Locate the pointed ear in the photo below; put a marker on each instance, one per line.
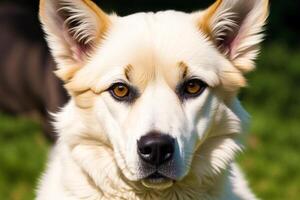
(235, 27)
(73, 29)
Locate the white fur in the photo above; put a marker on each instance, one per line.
(244, 47)
(96, 154)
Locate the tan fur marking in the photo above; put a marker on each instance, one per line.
(102, 16)
(85, 99)
(128, 70)
(74, 86)
(204, 24)
(183, 68)
(141, 76)
(67, 72)
(232, 80)
(266, 10)
(42, 9)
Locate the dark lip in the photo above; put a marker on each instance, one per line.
(157, 176)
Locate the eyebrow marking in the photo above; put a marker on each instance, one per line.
(128, 70)
(183, 68)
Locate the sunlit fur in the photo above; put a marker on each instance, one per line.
(96, 154)
(222, 19)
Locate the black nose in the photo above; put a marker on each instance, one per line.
(156, 148)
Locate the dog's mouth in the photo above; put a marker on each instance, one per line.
(157, 181)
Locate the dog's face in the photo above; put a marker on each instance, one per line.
(155, 90)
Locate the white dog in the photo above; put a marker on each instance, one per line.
(153, 111)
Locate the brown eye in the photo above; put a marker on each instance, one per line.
(123, 92)
(191, 88)
(120, 90)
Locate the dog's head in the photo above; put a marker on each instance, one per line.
(153, 92)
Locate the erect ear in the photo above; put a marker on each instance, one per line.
(73, 29)
(235, 27)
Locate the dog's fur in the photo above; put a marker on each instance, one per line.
(96, 155)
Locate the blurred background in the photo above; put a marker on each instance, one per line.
(28, 89)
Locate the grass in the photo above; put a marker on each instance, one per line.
(271, 161)
(23, 151)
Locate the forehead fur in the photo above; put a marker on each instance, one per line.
(154, 45)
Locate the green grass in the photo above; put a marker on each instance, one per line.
(23, 152)
(271, 161)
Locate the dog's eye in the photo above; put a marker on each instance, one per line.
(192, 88)
(123, 92)
(120, 90)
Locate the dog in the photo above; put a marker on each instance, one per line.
(153, 112)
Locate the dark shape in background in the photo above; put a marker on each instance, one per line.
(27, 83)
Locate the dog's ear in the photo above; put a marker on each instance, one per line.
(235, 27)
(73, 29)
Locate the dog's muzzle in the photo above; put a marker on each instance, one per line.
(156, 152)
